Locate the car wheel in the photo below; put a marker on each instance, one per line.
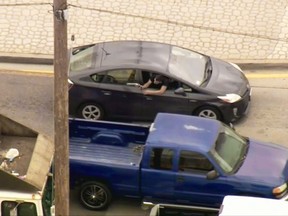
(208, 112)
(95, 196)
(91, 111)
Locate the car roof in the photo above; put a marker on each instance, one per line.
(190, 132)
(252, 206)
(136, 54)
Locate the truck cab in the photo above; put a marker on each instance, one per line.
(21, 203)
(199, 161)
(231, 206)
(181, 210)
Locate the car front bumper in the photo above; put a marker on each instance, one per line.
(235, 111)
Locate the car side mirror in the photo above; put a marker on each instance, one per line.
(180, 91)
(213, 174)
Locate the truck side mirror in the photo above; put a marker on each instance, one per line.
(52, 210)
(213, 174)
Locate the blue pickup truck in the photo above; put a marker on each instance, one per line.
(178, 159)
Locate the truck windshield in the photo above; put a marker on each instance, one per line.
(230, 149)
(9, 208)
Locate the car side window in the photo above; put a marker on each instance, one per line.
(146, 76)
(193, 162)
(161, 158)
(119, 76)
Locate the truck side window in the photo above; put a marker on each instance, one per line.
(161, 158)
(26, 208)
(192, 161)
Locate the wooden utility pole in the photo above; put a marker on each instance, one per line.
(61, 140)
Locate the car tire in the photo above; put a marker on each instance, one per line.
(208, 112)
(95, 196)
(91, 111)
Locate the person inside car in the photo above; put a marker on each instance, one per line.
(159, 81)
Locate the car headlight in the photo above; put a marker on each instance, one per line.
(280, 189)
(230, 98)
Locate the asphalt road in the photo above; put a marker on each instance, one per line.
(28, 98)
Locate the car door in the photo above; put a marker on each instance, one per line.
(171, 101)
(119, 99)
(191, 183)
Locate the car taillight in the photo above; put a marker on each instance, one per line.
(70, 84)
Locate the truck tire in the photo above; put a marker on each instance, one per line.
(95, 196)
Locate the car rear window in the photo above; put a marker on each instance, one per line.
(81, 59)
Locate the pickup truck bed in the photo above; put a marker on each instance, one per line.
(34, 160)
(82, 150)
(25, 146)
(106, 150)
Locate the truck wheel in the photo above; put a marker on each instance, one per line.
(208, 112)
(95, 196)
(91, 111)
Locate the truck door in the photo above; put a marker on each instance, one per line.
(192, 186)
(157, 174)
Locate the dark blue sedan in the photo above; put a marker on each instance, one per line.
(103, 80)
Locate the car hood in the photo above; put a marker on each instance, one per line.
(265, 162)
(226, 79)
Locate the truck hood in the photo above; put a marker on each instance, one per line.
(227, 79)
(265, 162)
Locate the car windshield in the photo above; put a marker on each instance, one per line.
(230, 150)
(81, 58)
(188, 65)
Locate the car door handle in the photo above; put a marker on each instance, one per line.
(106, 93)
(192, 101)
(149, 98)
(180, 179)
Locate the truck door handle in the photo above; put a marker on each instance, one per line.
(180, 178)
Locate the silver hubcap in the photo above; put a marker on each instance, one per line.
(208, 114)
(91, 112)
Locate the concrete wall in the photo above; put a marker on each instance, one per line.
(228, 29)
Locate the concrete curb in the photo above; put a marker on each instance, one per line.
(26, 60)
